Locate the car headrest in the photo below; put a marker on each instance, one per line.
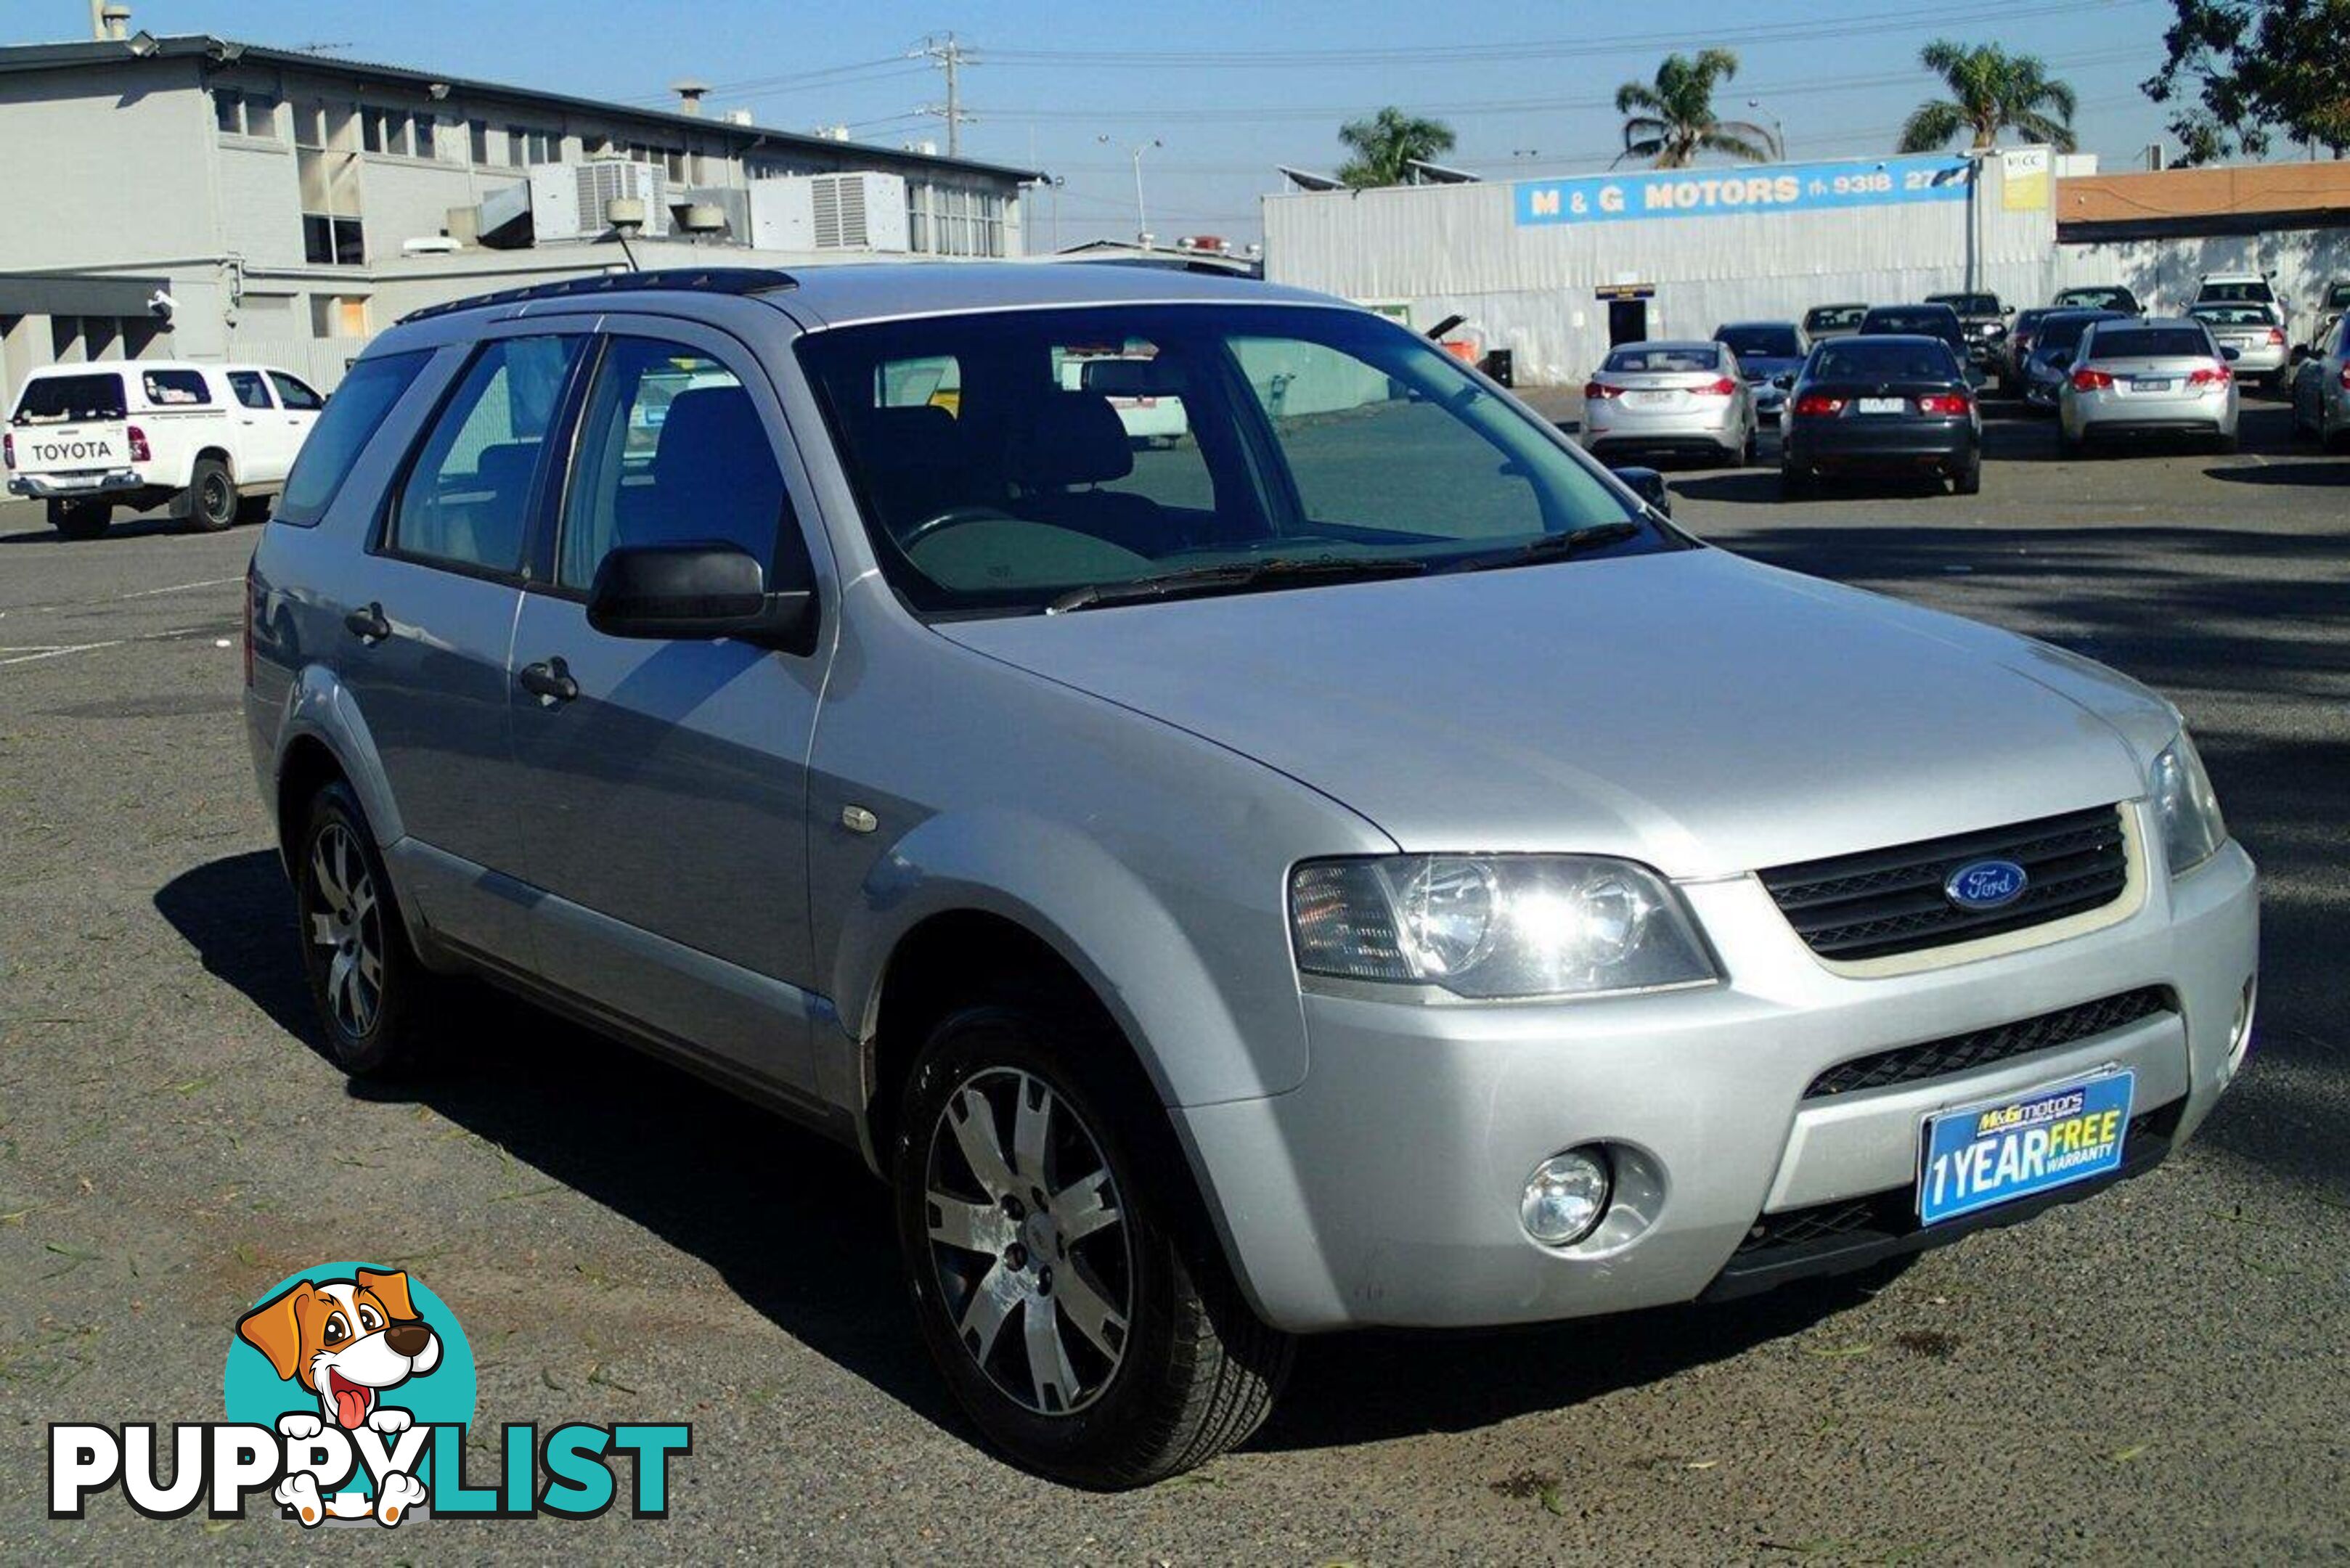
(917, 434)
(1070, 438)
(714, 463)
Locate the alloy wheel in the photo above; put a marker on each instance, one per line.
(1035, 1232)
(347, 921)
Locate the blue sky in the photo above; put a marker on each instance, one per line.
(1229, 89)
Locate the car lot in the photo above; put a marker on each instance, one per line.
(2157, 1375)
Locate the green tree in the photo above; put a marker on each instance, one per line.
(1385, 146)
(2242, 72)
(1990, 91)
(1670, 120)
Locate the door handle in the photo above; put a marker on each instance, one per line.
(550, 681)
(368, 625)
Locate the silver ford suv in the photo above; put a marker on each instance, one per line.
(1247, 830)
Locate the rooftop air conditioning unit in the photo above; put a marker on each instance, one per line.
(856, 212)
(567, 200)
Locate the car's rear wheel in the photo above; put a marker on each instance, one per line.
(1795, 483)
(211, 496)
(1747, 453)
(2068, 445)
(1080, 1316)
(79, 519)
(1968, 480)
(375, 1000)
(2227, 443)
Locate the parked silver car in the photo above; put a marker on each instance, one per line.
(2148, 379)
(2321, 388)
(2256, 333)
(1356, 864)
(1690, 398)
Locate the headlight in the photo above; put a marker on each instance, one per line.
(2192, 830)
(1493, 925)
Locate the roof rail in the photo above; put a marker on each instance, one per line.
(697, 279)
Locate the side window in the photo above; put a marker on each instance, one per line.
(249, 389)
(931, 381)
(670, 451)
(343, 432)
(296, 395)
(466, 499)
(174, 388)
(1327, 408)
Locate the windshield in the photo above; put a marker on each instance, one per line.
(1883, 359)
(2231, 315)
(2338, 297)
(2101, 298)
(1764, 342)
(1664, 358)
(2253, 293)
(52, 399)
(1095, 447)
(1831, 316)
(1968, 304)
(1935, 323)
(2150, 343)
(2064, 331)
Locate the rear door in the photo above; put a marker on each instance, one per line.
(429, 625)
(664, 802)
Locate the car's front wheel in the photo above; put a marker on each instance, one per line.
(1081, 1318)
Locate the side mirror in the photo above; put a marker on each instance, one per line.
(698, 592)
(2060, 360)
(2232, 355)
(1649, 485)
(1784, 382)
(2300, 352)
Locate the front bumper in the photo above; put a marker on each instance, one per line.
(75, 486)
(1385, 1190)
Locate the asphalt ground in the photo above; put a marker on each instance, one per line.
(2157, 1375)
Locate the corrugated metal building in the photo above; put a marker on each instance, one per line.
(1529, 261)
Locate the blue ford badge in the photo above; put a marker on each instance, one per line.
(1985, 885)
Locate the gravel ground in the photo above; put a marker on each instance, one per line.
(2157, 1375)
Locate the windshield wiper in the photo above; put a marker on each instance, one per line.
(1234, 574)
(1555, 547)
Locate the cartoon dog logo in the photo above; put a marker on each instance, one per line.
(347, 1342)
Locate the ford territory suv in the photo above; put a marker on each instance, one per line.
(1340, 859)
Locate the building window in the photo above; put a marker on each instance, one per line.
(240, 113)
(424, 128)
(338, 316)
(477, 137)
(330, 179)
(525, 147)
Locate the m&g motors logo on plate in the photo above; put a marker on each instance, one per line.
(348, 1392)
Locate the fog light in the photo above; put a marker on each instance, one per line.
(1566, 1197)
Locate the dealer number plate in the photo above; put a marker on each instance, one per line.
(2150, 384)
(1991, 1153)
(1650, 400)
(1883, 405)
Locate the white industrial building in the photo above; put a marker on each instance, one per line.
(199, 198)
(1554, 271)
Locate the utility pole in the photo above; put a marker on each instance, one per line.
(950, 57)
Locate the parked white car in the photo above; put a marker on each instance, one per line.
(143, 433)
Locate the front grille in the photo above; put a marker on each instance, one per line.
(1887, 901)
(1964, 1052)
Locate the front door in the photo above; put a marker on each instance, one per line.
(663, 789)
(265, 446)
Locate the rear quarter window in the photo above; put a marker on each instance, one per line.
(174, 388)
(56, 400)
(348, 422)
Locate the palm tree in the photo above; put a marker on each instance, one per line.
(1990, 91)
(1386, 144)
(1672, 120)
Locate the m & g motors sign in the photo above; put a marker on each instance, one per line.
(1714, 193)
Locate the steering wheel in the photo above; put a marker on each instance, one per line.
(952, 517)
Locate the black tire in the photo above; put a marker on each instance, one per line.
(1968, 481)
(1747, 455)
(80, 519)
(386, 1035)
(2068, 448)
(2227, 444)
(1795, 483)
(213, 499)
(1191, 1370)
